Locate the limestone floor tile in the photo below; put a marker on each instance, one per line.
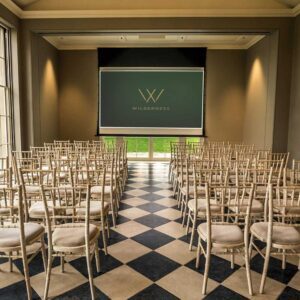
(133, 213)
(165, 193)
(185, 284)
(238, 283)
(137, 185)
(135, 201)
(238, 258)
(169, 213)
(295, 282)
(136, 192)
(131, 228)
(8, 278)
(172, 229)
(168, 202)
(59, 282)
(122, 283)
(177, 251)
(139, 179)
(163, 185)
(127, 250)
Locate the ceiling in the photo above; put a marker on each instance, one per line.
(153, 8)
(211, 41)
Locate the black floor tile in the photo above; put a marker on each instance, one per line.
(289, 294)
(219, 268)
(153, 239)
(221, 292)
(152, 220)
(107, 263)
(153, 265)
(17, 291)
(153, 292)
(274, 271)
(82, 292)
(151, 206)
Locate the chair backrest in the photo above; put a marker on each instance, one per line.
(231, 205)
(11, 202)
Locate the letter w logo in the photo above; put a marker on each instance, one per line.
(150, 95)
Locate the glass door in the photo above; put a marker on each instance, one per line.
(138, 147)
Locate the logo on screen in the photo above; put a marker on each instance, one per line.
(153, 95)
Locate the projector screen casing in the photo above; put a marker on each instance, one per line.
(145, 100)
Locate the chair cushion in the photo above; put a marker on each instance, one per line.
(283, 235)
(202, 205)
(97, 189)
(69, 237)
(32, 189)
(257, 207)
(10, 237)
(37, 209)
(222, 234)
(95, 209)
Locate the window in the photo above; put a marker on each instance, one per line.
(6, 136)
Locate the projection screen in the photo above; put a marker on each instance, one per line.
(151, 101)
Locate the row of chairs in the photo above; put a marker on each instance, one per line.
(224, 190)
(68, 200)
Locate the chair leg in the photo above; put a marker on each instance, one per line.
(248, 272)
(198, 253)
(43, 250)
(104, 236)
(48, 275)
(26, 273)
(232, 260)
(188, 222)
(250, 246)
(62, 264)
(90, 272)
(193, 231)
(10, 261)
(97, 256)
(207, 263)
(283, 266)
(265, 269)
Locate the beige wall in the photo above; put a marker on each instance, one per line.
(261, 68)
(294, 129)
(78, 98)
(225, 87)
(48, 91)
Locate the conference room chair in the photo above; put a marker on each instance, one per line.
(280, 231)
(226, 230)
(16, 235)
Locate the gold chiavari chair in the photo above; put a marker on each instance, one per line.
(280, 231)
(70, 234)
(226, 230)
(16, 235)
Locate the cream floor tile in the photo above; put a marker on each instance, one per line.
(186, 284)
(173, 229)
(177, 251)
(139, 179)
(122, 283)
(127, 250)
(135, 201)
(59, 282)
(295, 282)
(165, 193)
(169, 213)
(163, 185)
(169, 202)
(136, 193)
(137, 185)
(131, 228)
(133, 213)
(7, 278)
(238, 283)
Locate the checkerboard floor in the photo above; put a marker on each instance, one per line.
(149, 257)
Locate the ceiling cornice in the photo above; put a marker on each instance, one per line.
(149, 13)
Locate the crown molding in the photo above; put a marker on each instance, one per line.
(296, 10)
(14, 8)
(149, 13)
